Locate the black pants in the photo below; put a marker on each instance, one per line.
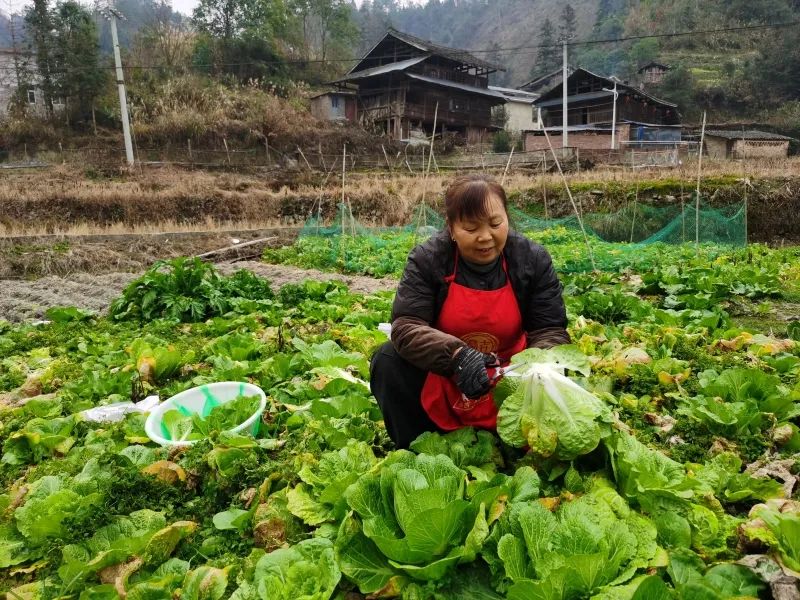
(397, 385)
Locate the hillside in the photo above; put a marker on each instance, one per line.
(746, 75)
(481, 26)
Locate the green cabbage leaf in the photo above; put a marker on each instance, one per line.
(547, 411)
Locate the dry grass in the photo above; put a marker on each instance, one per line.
(155, 228)
(67, 200)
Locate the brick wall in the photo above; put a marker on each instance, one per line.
(584, 140)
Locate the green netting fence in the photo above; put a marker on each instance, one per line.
(641, 224)
(619, 239)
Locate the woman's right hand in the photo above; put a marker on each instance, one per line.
(470, 371)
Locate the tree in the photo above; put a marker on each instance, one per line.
(222, 19)
(79, 78)
(168, 40)
(240, 36)
(547, 58)
(39, 23)
(775, 70)
(569, 22)
(325, 23)
(643, 52)
(495, 56)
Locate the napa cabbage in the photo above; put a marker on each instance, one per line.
(543, 409)
(320, 496)
(410, 518)
(587, 544)
(305, 571)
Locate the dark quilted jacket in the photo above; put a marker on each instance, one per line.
(422, 292)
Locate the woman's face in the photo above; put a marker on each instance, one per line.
(482, 239)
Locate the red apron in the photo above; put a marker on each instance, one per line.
(489, 321)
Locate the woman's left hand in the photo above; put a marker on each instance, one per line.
(470, 371)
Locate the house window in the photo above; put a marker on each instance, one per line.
(334, 101)
(458, 104)
(58, 101)
(31, 96)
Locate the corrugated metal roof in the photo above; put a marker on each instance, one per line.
(401, 65)
(451, 53)
(515, 95)
(459, 86)
(752, 134)
(621, 88)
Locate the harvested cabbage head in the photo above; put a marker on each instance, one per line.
(547, 411)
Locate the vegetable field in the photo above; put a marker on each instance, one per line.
(656, 457)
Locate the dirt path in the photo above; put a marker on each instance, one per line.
(23, 300)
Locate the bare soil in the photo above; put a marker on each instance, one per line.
(27, 300)
(28, 257)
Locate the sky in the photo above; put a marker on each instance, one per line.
(182, 6)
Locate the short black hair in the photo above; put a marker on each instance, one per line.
(468, 197)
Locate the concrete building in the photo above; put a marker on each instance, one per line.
(339, 105)
(13, 62)
(522, 115)
(745, 144)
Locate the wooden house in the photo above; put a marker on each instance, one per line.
(545, 83)
(653, 73)
(404, 84)
(642, 120)
(745, 144)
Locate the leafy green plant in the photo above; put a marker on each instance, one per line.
(320, 496)
(777, 524)
(587, 544)
(305, 571)
(410, 518)
(547, 411)
(180, 424)
(186, 289)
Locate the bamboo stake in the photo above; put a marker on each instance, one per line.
(227, 153)
(236, 246)
(322, 158)
(683, 216)
(746, 181)
(508, 164)
(304, 158)
(572, 200)
(344, 166)
(386, 156)
(428, 170)
(697, 198)
(544, 187)
(266, 147)
(633, 218)
(433, 135)
(189, 146)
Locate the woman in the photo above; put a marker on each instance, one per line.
(470, 297)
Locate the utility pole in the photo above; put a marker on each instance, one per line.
(613, 115)
(564, 75)
(112, 14)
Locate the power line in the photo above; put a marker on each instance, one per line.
(646, 36)
(515, 49)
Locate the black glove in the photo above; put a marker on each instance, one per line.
(470, 372)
